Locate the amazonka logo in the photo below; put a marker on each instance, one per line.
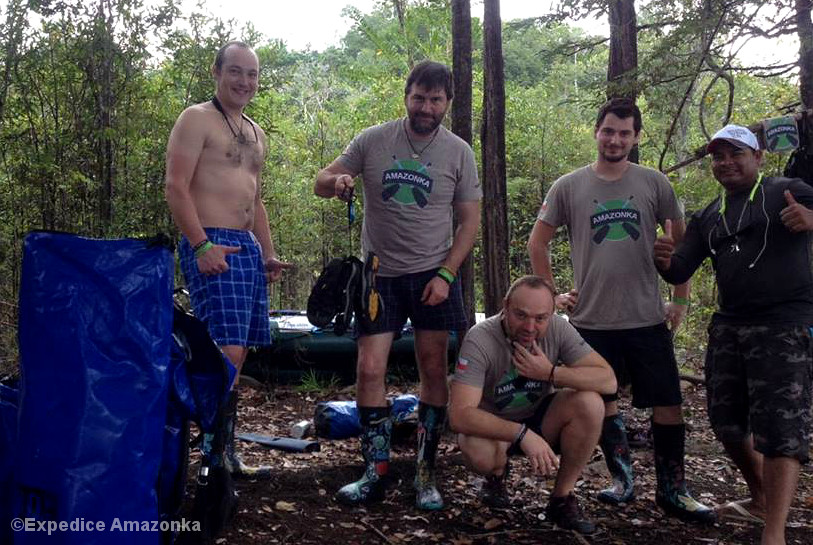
(615, 220)
(407, 182)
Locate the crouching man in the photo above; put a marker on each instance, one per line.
(510, 396)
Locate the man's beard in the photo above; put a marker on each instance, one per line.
(614, 158)
(424, 129)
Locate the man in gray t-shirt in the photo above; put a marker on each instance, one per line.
(415, 175)
(611, 210)
(504, 400)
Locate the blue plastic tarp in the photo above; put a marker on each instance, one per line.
(95, 329)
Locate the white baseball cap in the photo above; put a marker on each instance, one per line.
(735, 135)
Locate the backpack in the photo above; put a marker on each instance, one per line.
(336, 294)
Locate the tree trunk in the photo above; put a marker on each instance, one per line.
(461, 122)
(622, 67)
(495, 208)
(804, 29)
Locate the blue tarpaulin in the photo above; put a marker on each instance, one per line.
(95, 328)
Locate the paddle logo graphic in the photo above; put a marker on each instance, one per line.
(514, 391)
(615, 220)
(407, 182)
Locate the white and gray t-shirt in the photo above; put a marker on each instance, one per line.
(612, 229)
(408, 202)
(485, 361)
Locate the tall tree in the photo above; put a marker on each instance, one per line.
(804, 29)
(461, 118)
(492, 136)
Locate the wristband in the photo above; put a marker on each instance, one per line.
(519, 437)
(446, 274)
(203, 247)
(550, 377)
(680, 301)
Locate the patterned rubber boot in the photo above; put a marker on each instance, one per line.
(376, 430)
(233, 463)
(616, 451)
(431, 421)
(672, 496)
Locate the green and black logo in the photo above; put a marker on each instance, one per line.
(407, 182)
(615, 220)
(515, 391)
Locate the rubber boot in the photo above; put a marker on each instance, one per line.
(431, 421)
(672, 496)
(616, 451)
(232, 461)
(376, 431)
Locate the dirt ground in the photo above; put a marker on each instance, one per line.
(297, 505)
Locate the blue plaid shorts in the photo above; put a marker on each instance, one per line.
(233, 304)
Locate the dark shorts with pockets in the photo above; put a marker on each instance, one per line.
(646, 356)
(534, 423)
(402, 299)
(759, 382)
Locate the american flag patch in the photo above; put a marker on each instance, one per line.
(462, 364)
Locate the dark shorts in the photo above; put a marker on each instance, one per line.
(759, 382)
(402, 299)
(233, 304)
(534, 423)
(643, 357)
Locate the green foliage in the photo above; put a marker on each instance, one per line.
(88, 97)
(315, 383)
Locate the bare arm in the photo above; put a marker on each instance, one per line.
(467, 418)
(468, 219)
(677, 308)
(539, 249)
(335, 180)
(183, 152)
(539, 252)
(590, 372)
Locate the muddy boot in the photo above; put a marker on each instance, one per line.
(565, 513)
(494, 493)
(616, 451)
(672, 496)
(431, 421)
(376, 430)
(232, 461)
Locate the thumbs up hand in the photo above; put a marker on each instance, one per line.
(796, 216)
(664, 247)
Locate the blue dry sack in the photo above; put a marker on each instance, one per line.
(95, 328)
(340, 419)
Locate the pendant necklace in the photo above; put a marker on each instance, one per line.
(415, 153)
(736, 247)
(240, 137)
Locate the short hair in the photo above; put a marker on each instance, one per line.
(431, 75)
(530, 281)
(221, 53)
(622, 108)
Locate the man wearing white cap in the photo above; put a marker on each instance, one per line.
(759, 360)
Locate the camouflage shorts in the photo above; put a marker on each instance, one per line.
(759, 382)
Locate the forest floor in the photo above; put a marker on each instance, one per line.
(297, 507)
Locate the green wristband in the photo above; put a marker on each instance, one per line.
(203, 247)
(680, 301)
(446, 274)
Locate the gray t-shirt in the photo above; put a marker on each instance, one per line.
(485, 362)
(612, 229)
(408, 202)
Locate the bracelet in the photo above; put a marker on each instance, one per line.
(203, 247)
(681, 301)
(446, 274)
(519, 437)
(550, 377)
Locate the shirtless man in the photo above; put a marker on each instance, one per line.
(213, 187)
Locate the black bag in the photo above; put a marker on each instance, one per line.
(336, 294)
